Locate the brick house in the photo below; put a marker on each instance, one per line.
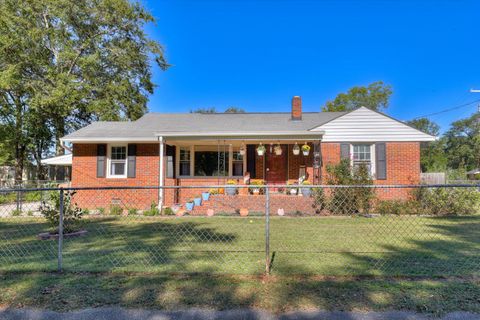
(209, 149)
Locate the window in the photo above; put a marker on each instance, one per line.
(210, 162)
(118, 161)
(184, 161)
(362, 155)
(237, 164)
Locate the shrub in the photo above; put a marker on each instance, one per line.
(319, 199)
(16, 212)
(168, 211)
(153, 211)
(101, 210)
(33, 196)
(72, 214)
(254, 183)
(8, 197)
(116, 210)
(397, 207)
(132, 212)
(447, 201)
(351, 199)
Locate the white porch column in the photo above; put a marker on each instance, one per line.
(161, 173)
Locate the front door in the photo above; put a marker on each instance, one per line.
(276, 165)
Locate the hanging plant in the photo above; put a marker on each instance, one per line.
(278, 150)
(242, 149)
(261, 150)
(296, 149)
(306, 149)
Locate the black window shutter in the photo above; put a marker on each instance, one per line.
(251, 152)
(101, 160)
(381, 160)
(132, 161)
(344, 151)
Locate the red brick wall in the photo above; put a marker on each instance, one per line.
(403, 167)
(84, 174)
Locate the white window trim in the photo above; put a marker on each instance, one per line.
(109, 161)
(372, 157)
(192, 163)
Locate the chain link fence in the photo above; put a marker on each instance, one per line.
(290, 229)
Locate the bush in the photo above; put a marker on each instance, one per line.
(8, 197)
(351, 199)
(72, 214)
(132, 212)
(33, 196)
(168, 211)
(101, 210)
(116, 210)
(397, 207)
(153, 211)
(447, 201)
(319, 199)
(16, 212)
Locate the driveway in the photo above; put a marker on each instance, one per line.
(197, 314)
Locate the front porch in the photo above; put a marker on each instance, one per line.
(240, 161)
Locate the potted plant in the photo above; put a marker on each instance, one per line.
(306, 191)
(292, 190)
(278, 150)
(190, 205)
(197, 200)
(243, 212)
(255, 186)
(296, 149)
(306, 149)
(261, 150)
(231, 190)
(205, 195)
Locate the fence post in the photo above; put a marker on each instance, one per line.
(267, 230)
(60, 232)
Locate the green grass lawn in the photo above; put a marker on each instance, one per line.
(387, 245)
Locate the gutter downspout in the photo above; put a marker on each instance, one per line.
(62, 144)
(161, 180)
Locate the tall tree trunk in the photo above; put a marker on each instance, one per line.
(19, 143)
(59, 133)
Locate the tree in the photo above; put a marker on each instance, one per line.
(234, 110)
(375, 96)
(462, 143)
(204, 110)
(432, 154)
(70, 62)
(425, 125)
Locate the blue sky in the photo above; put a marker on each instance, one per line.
(256, 55)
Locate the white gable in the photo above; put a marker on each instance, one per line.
(365, 125)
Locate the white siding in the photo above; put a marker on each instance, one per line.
(364, 125)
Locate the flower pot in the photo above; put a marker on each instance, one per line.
(231, 191)
(296, 152)
(256, 191)
(281, 212)
(260, 152)
(243, 212)
(205, 196)
(189, 206)
(293, 191)
(278, 150)
(306, 152)
(210, 212)
(307, 192)
(197, 201)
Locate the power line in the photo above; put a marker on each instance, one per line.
(449, 109)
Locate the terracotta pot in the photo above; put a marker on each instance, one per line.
(210, 212)
(243, 212)
(180, 212)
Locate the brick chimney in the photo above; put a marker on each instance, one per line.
(296, 108)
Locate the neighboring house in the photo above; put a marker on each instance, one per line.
(162, 149)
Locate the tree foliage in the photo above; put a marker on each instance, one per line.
(462, 143)
(375, 96)
(432, 154)
(64, 63)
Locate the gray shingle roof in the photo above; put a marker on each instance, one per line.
(195, 123)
